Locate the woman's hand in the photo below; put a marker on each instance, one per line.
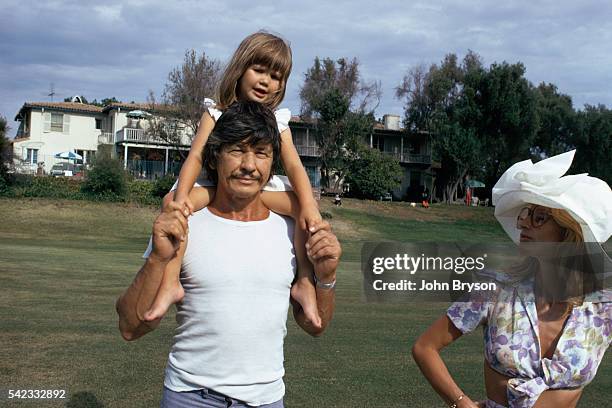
(466, 402)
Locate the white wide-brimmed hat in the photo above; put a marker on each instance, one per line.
(587, 199)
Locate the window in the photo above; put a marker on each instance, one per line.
(99, 124)
(378, 142)
(32, 156)
(57, 122)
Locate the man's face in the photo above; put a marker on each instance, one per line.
(243, 169)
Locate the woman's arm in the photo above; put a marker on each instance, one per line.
(299, 180)
(426, 353)
(193, 164)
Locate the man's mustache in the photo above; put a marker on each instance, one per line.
(243, 175)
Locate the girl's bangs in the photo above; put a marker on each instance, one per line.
(275, 58)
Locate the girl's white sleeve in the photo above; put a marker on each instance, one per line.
(278, 183)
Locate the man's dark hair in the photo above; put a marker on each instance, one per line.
(249, 123)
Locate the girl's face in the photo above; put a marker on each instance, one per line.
(259, 83)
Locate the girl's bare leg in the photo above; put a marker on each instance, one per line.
(170, 290)
(303, 288)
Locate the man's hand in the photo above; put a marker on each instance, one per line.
(169, 229)
(324, 251)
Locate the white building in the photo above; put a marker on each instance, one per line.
(49, 128)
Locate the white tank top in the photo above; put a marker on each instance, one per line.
(232, 321)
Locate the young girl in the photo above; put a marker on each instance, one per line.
(258, 71)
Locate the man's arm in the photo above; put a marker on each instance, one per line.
(169, 242)
(324, 251)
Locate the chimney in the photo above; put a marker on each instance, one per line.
(392, 122)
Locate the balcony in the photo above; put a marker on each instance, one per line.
(410, 158)
(106, 138)
(137, 136)
(310, 151)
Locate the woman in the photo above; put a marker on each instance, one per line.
(546, 332)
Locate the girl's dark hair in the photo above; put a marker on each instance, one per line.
(249, 123)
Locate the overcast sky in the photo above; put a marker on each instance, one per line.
(125, 48)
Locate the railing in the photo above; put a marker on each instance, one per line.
(136, 135)
(410, 158)
(417, 158)
(152, 169)
(311, 151)
(106, 138)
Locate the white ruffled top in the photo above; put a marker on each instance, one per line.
(282, 115)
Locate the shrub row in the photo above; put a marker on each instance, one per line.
(133, 191)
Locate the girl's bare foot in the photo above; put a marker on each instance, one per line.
(165, 297)
(303, 291)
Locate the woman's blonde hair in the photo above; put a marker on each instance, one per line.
(574, 266)
(573, 230)
(258, 48)
(576, 270)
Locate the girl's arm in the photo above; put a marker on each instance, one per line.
(193, 164)
(309, 212)
(426, 353)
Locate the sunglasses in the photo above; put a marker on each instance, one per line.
(538, 216)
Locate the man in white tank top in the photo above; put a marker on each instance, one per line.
(237, 264)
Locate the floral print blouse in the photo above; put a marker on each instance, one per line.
(512, 345)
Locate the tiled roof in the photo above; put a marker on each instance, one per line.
(80, 107)
(131, 106)
(64, 106)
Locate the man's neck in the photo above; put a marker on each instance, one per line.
(237, 208)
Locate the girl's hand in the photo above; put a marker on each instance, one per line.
(184, 203)
(309, 217)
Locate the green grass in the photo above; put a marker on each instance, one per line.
(63, 264)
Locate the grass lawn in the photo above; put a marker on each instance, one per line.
(63, 264)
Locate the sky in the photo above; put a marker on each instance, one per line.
(124, 49)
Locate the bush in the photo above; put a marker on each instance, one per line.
(106, 180)
(373, 174)
(53, 187)
(5, 182)
(163, 185)
(141, 191)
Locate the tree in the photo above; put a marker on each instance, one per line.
(105, 101)
(443, 102)
(4, 178)
(593, 142)
(183, 98)
(343, 77)
(372, 174)
(331, 88)
(556, 122)
(480, 120)
(509, 120)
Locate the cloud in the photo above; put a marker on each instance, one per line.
(124, 48)
(109, 14)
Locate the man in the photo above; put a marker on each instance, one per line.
(236, 272)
